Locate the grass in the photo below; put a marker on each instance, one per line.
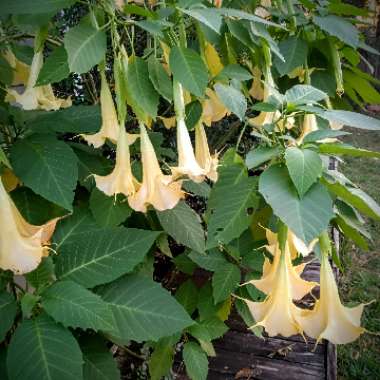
(360, 280)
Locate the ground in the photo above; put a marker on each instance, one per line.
(360, 280)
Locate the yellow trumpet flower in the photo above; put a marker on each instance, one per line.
(202, 154)
(309, 125)
(40, 97)
(330, 319)
(110, 126)
(278, 314)
(187, 164)
(213, 109)
(21, 244)
(121, 180)
(156, 189)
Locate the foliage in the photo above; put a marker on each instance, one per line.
(110, 223)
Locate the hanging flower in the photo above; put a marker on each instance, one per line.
(22, 245)
(202, 154)
(121, 180)
(296, 245)
(309, 125)
(187, 164)
(278, 314)
(40, 97)
(256, 90)
(110, 126)
(213, 109)
(156, 189)
(330, 319)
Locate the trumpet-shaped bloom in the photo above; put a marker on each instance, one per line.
(213, 109)
(330, 319)
(278, 314)
(21, 243)
(156, 189)
(110, 126)
(202, 154)
(296, 245)
(298, 287)
(40, 97)
(121, 179)
(309, 125)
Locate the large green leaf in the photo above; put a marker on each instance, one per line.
(230, 206)
(304, 94)
(306, 217)
(195, 361)
(187, 296)
(338, 27)
(73, 228)
(160, 79)
(100, 257)
(43, 274)
(232, 98)
(208, 329)
(211, 260)
(235, 71)
(48, 351)
(206, 16)
(184, 225)
(142, 96)
(352, 119)
(356, 198)
(85, 46)
(304, 166)
(108, 211)
(189, 69)
(258, 156)
(294, 51)
(347, 149)
(143, 310)
(161, 360)
(98, 361)
(8, 310)
(74, 306)
(48, 166)
(55, 67)
(321, 134)
(224, 281)
(33, 7)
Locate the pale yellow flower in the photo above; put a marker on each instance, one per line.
(121, 180)
(21, 244)
(330, 319)
(261, 9)
(208, 162)
(40, 97)
(257, 89)
(213, 109)
(156, 189)
(296, 245)
(309, 125)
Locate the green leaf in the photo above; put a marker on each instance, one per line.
(142, 96)
(347, 149)
(230, 204)
(74, 306)
(100, 257)
(304, 94)
(324, 81)
(264, 107)
(75, 119)
(323, 134)
(206, 16)
(189, 69)
(193, 114)
(98, 361)
(195, 361)
(258, 156)
(232, 98)
(161, 360)
(160, 79)
(73, 228)
(351, 232)
(8, 311)
(294, 51)
(48, 351)
(43, 274)
(208, 329)
(352, 119)
(211, 260)
(36, 6)
(304, 166)
(184, 225)
(55, 67)
(347, 9)
(4, 159)
(202, 189)
(187, 296)
(340, 28)
(85, 46)
(48, 166)
(224, 281)
(6, 72)
(356, 198)
(306, 217)
(28, 302)
(109, 211)
(184, 264)
(235, 72)
(143, 310)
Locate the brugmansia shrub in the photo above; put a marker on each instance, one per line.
(185, 175)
